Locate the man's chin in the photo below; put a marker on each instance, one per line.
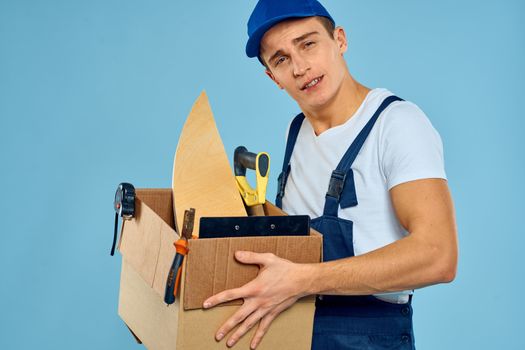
(314, 105)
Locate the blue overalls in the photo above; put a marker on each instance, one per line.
(349, 322)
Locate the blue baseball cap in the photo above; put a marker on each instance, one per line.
(268, 13)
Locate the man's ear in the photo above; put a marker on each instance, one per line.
(270, 74)
(340, 38)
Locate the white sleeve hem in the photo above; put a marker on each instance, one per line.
(415, 176)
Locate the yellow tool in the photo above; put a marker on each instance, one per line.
(260, 162)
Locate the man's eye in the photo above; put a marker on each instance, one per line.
(280, 60)
(309, 43)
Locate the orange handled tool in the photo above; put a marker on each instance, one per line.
(181, 247)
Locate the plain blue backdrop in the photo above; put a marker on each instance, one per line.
(93, 93)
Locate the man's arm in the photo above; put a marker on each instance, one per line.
(428, 255)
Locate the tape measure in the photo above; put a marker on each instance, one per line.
(124, 205)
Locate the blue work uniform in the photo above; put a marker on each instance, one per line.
(349, 322)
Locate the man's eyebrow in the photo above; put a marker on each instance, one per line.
(295, 41)
(304, 36)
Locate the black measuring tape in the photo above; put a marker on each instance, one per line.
(124, 205)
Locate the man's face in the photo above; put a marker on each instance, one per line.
(305, 60)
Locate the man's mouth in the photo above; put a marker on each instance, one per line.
(312, 83)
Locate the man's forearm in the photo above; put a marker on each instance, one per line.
(405, 264)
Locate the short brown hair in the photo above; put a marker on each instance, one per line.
(327, 24)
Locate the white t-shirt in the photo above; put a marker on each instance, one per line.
(402, 146)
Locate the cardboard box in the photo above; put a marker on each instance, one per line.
(210, 267)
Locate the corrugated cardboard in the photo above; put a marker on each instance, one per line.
(147, 248)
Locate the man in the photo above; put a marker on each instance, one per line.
(386, 215)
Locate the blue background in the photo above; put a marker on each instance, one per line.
(93, 93)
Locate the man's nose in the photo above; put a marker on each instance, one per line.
(300, 66)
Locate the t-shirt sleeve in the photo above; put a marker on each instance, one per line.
(410, 148)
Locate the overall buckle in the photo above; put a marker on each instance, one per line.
(281, 183)
(336, 185)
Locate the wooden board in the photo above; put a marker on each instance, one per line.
(202, 176)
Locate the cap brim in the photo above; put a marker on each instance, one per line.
(254, 42)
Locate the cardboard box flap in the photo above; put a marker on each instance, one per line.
(211, 266)
(147, 241)
(160, 200)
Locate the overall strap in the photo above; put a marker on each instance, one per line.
(341, 189)
(290, 143)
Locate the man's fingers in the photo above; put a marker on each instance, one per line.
(253, 258)
(239, 316)
(225, 296)
(265, 322)
(248, 324)
(244, 291)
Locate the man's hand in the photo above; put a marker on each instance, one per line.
(277, 287)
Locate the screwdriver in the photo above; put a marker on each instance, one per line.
(181, 247)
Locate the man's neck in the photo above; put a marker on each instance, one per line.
(341, 108)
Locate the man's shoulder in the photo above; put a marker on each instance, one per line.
(405, 107)
(400, 114)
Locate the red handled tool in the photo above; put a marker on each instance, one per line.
(182, 249)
